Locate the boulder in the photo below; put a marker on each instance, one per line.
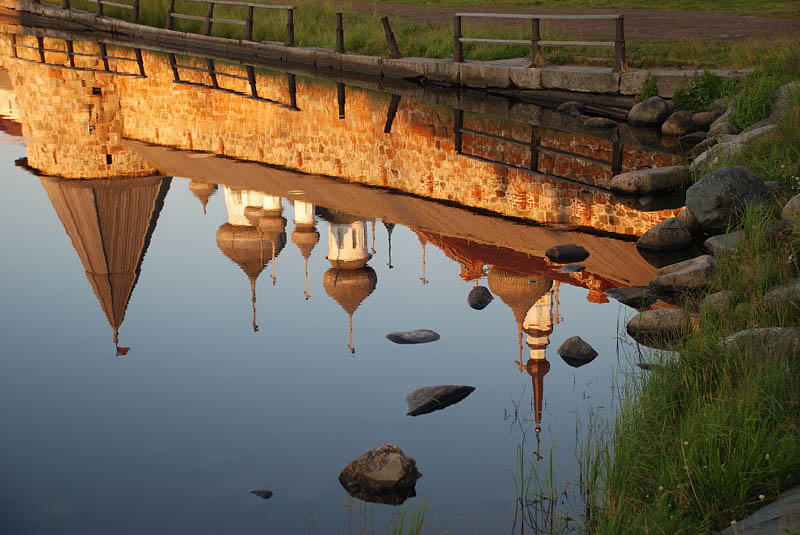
(765, 342)
(647, 181)
(791, 210)
(662, 259)
(651, 112)
(703, 146)
(775, 188)
(786, 293)
(717, 198)
(420, 336)
(433, 398)
(693, 274)
(722, 128)
(658, 327)
(693, 139)
(572, 268)
(755, 133)
(782, 101)
(669, 235)
(479, 297)
(600, 122)
(689, 221)
(571, 108)
(716, 153)
(635, 296)
(382, 475)
(678, 124)
(266, 494)
(723, 243)
(717, 301)
(576, 352)
(566, 253)
(703, 119)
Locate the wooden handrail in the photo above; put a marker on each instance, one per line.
(247, 23)
(536, 42)
(101, 3)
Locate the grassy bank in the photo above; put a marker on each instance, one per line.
(363, 34)
(702, 442)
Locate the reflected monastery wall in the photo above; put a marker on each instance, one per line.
(417, 157)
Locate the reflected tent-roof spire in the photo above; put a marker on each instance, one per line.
(203, 191)
(110, 223)
(305, 235)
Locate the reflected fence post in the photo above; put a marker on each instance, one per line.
(292, 81)
(104, 56)
(212, 73)
(173, 63)
(390, 113)
(340, 96)
(71, 54)
(457, 127)
(40, 46)
(251, 79)
(534, 149)
(616, 158)
(139, 61)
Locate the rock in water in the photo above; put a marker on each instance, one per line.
(600, 122)
(718, 197)
(433, 398)
(651, 112)
(668, 235)
(572, 268)
(689, 275)
(566, 253)
(659, 327)
(647, 181)
(704, 119)
(479, 297)
(266, 494)
(576, 352)
(634, 296)
(678, 124)
(382, 475)
(420, 336)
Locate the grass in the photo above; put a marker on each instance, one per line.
(409, 522)
(701, 442)
(363, 34)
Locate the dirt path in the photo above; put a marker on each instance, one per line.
(642, 25)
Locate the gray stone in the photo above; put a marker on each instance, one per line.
(690, 221)
(635, 296)
(723, 243)
(782, 101)
(765, 342)
(571, 108)
(716, 153)
(703, 119)
(717, 199)
(791, 210)
(652, 112)
(689, 275)
(750, 135)
(583, 79)
(703, 146)
(669, 235)
(382, 475)
(566, 253)
(775, 188)
(479, 297)
(573, 268)
(693, 139)
(722, 128)
(576, 352)
(600, 122)
(266, 494)
(779, 517)
(678, 124)
(658, 327)
(420, 336)
(787, 293)
(647, 181)
(433, 398)
(717, 301)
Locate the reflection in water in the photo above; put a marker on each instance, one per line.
(305, 235)
(203, 191)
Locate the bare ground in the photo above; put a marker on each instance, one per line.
(640, 25)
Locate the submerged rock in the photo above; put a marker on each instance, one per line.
(433, 398)
(566, 253)
(718, 198)
(668, 235)
(382, 475)
(651, 112)
(266, 494)
(573, 268)
(576, 352)
(479, 297)
(419, 336)
(693, 274)
(678, 124)
(646, 181)
(658, 328)
(634, 296)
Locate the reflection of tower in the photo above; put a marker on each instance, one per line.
(423, 242)
(304, 235)
(203, 191)
(253, 235)
(389, 228)
(110, 223)
(530, 299)
(350, 280)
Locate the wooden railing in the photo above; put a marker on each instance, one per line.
(536, 43)
(72, 55)
(210, 19)
(101, 3)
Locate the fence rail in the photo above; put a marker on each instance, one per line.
(71, 55)
(536, 43)
(210, 19)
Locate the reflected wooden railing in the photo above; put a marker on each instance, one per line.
(71, 55)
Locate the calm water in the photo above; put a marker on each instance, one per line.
(199, 400)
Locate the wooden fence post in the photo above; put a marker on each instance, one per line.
(209, 16)
(619, 45)
(99, 8)
(170, 11)
(290, 26)
(394, 50)
(135, 16)
(339, 34)
(536, 36)
(248, 27)
(65, 4)
(458, 49)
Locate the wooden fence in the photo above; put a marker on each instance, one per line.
(210, 19)
(536, 43)
(69, 51)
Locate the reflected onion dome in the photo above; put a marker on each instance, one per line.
(349, 288)
(203, 191)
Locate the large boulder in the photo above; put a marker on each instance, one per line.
(787, 293)
(651, 112)
(658, 327)
(703, 119)
(723, 243)
(717, 199)
(433, 398)
(723, 128)
(647, 181)
(669, 235)
(678, 124)
(689, 221)
(566, 253)
(693, 139)
(634, 296)
(689, 275)
(782, 101)
(718, 152)
(479, 297)
(765, 342)
(576, 352)
(382, 475)
(717, 301)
